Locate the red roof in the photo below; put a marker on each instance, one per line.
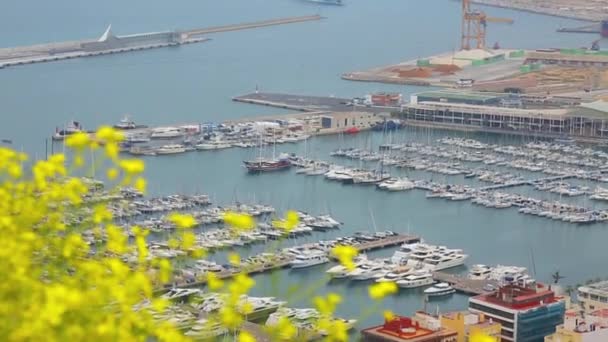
(520, 298)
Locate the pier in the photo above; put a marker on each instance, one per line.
(526, 182)
(464, 285)
(305, 103)
(283, 261)
(109, 43)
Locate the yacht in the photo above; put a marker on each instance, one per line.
(204, 329)
(71, 128)
(480, 272)
(404, 252)
(171, 149)
(339, 271)
(442, 261)
(440, 289)
(400, 185)
(418, 279)
(213, 145)
(179, 293)
(166, 133)
(126, 123)
(368, 271)
(396, 275)
(308, 259)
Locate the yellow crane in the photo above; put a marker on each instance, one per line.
(474, 23)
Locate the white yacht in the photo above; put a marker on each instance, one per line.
(213, 145)
(418, 279)
(339, 271)
(125, 123)
(308, 259)
(442, 261)
(204, 329)
(171, 149)
(369, 271)
(404, 252)
(166, 133)
(440, 289)
(480, 272)
(177, 293)
(396, 275)
(401, 184)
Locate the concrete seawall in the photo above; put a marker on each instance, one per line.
(108, 43)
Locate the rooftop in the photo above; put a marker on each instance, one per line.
(519, 298)
(462, 95)
(540, 113)
(405, 329)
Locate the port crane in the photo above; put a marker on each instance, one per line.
(474, 23)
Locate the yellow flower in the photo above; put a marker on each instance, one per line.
(78, 140)
(327, 306)
(246, 337)
(381, 290)
(112, 173)
(132, 166)
(230, 318)
(213, 282)
(389, 315)
(239, 221)
(109, 134)
(240, 284)
(345, 255)
(101, 214)
(234, 259)
(140, 184)
(291, 220)
(182, 221)
(112, 150)
(188, 240)
(165, 271)
(117, 240)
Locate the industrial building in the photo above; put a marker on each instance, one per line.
(585, 122)
(525, 314)
(420, 328)
(453, 96)
(568, 58)
(344, 121)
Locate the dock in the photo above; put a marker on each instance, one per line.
(526, 182)
(109, 43)
(595, 28)
(464, 285)
(284, 261)
(305, 103)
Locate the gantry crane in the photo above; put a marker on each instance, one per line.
(474, 24)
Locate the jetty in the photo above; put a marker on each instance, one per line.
(109, 43)
(465, 285)
(283, 261)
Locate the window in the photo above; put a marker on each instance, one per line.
(345, 122)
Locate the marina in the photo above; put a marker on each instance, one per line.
(436, 188)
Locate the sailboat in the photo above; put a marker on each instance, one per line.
(261, 164)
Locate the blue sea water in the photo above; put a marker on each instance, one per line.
(195, 83)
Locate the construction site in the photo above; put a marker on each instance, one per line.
(489, 68)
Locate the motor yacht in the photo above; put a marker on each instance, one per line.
(309, 259)
(417, 279)
(440, 289)
(480, 272)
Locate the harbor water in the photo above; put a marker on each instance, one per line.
(195, 84)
